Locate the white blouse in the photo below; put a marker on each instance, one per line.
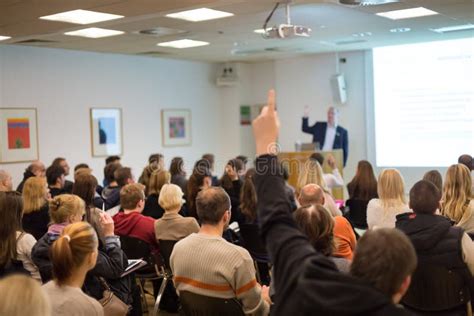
(378, 216)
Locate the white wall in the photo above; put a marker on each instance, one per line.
(63, 85)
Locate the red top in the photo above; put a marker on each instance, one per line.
(136, 225)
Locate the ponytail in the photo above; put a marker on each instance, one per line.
(70, 250)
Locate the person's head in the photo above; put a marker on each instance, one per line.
(157, 180)
(333, 116)
(171, 198)
(210, 158)
(364, 184)
(132, 197)
(248, 196)
(317, 224)
(81, 166)
(467, 160)
(456, 192)
(318, 157)
(56, 176)
(311, 194)
(244, 160)
(311, 173)
(109, 171)
(75, 251)
(177, 166)
(112, 159)
(213, 207)
(66, 208)
(61, 162)
(82, 171)
(159, 158)
(5, 181)
(231, 171)
(123, 176)
(385, 259)
(37, 168)
(434, 177)
(22, 295)
(84, 187)
(35, 194)
(390, 187)
(201, 178)
(424, 197)
(11, 209)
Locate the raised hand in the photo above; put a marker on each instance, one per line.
(306, 111)
(107, 224)
(266, 127)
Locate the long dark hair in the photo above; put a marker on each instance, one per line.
(248, 196)
(200, 172)
(176, 166)
(11, 209)
(226, 181)
(364, 184)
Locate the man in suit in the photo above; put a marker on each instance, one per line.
(328, 134)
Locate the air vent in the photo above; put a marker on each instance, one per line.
(162, 31)
(245, 52)
(35, 42)
(153, 54)
(366, 2)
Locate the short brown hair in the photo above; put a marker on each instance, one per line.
(424, 197)
(109, 171)
(211, 204)
(122, 174)
(131, 194)
(384, 258)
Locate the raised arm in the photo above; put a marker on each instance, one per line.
(305, 128)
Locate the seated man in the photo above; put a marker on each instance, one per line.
(35, 169)
(5, 181)
(62, 162)
(206, 264)
(55, 176)
(311, 193)
(131, 222)
(307, 282)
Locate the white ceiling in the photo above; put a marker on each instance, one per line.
(232, 39)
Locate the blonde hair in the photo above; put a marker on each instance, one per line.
(65, 205)
(456, 192)
(312, 174)
(157, 180)
(68, 252)
(34, 192)
(22, 295)
(391, 188)
(171, 197)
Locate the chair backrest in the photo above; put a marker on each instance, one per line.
(435, 288)
(253, 242)
(166, 248)
(136, 248)
(357, 214)
(200, 305)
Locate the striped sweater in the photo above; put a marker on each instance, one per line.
(211, 266)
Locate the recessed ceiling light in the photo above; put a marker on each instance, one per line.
(454, 28)
(81, 17)
(94, 32)
(197, 15)
(261, 31)
(362, 34)
(184, 43)
(3, 38)
(407, 13)
(400, 30)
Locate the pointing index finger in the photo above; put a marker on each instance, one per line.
(271, 101)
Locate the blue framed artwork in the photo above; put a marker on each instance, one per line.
(176, 127)
(106, 131)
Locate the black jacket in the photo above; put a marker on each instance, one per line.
(111, 263)
(306, 282)
(36, 223)
(111, 196)
(26, 175)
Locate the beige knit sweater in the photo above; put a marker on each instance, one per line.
(211, 266)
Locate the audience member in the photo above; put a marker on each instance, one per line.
(434, 177)
(131, 222)
(15, 243)
(36, 169)
(232, 184)
(22, 296)
(178, 174)
(211, 159)
(109, 160)
(61, 162)
(290, 191)
(244, 160)
(457, 202)
(468, 161)
(111, 193)
(35, 207)
(157, 180)
(55, 176)
(318, 225)
(334, 179)
(206, 264)
(382, 212)
(200, 179)
(306, 281)
(73, 254)
(5, 181)
(81, 166)
(172, 226)
(155, 164)
(248, 199)
(312, 193)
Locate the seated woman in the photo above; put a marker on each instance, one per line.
(156, 181)
(173, 226)
(248, 199)
(200, 179)
(16, 244)
(318, 225)
(35, 207)
(73, 254)
(232, 184)
(382, 212)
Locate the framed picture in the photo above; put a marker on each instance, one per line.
(176, 127)
(106, 131)
(18, 135)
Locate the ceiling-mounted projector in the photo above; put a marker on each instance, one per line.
(286, 30)
(366, 2)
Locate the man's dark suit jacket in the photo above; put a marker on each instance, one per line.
(318, 130)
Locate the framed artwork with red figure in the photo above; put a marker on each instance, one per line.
(18, 135)
(176, 127)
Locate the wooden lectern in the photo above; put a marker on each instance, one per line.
(295, 161)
